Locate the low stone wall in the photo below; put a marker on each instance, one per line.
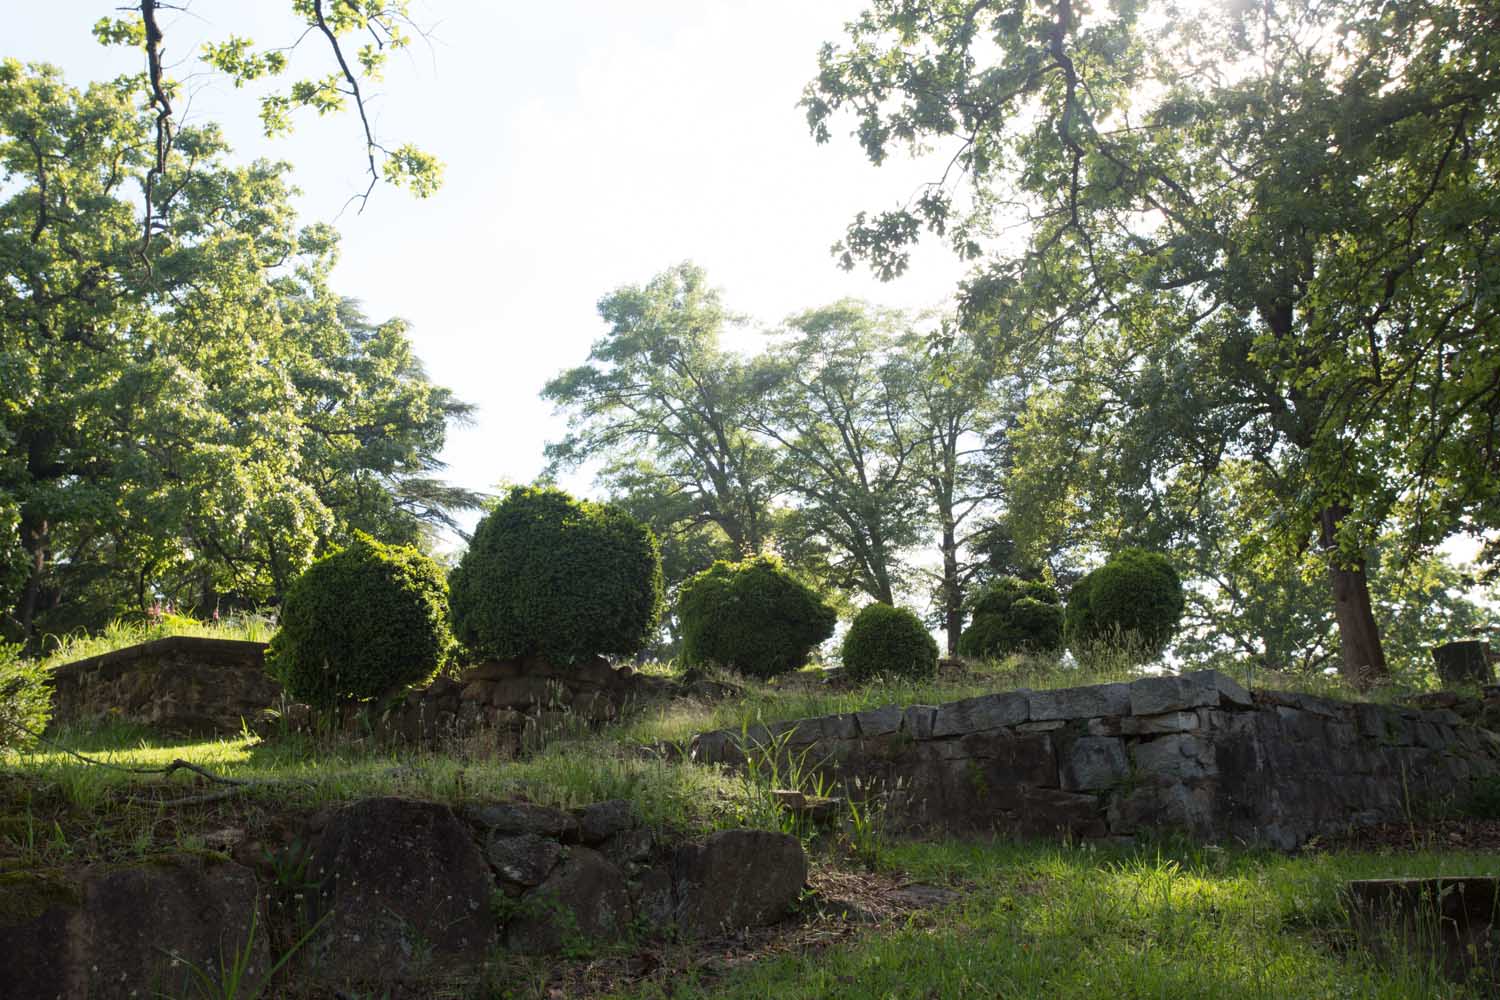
(397, 892)
(181, 685)
(189, 686)
(1195, 753)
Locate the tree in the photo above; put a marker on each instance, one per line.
(957, 408)
(1294, 197)
(838, 402)
(665, 404)
(192, 417)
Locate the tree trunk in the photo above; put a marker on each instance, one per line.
(1359, 636)
(34, 538)
(953, 614)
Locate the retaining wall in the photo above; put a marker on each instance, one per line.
(1195, 753)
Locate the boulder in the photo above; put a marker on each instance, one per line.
(522, 858)
(400, 884)
(585, 899)
(603, 820)
(131, 931)
(736, 879)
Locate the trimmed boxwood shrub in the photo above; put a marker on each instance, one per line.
(887, 640)
(751, 616)
(565, 579)
(361, 623)
(1134, 602)
(1014, 616)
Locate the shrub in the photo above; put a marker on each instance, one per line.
(1014, 616)
(752, 616)
(552, 576)
(25, 698)
(1135, 600)
(361, 623)
(887, 640)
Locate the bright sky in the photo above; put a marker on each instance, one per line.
(588, 143)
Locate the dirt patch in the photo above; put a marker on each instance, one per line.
(1416, 837)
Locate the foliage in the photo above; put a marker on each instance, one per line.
(665, 404)
(1261, 232)
(887, 640)
(25, 698)
(752, 616)
(361, 623)
(1135, 598)
(189, 418)
(549, 575)
(838, 406)
(1014, 616)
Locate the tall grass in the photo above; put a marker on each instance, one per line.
(122, 632)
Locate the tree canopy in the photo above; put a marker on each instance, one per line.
(1263, 233)
(191, 418)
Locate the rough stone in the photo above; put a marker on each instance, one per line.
(736, 879)
(1176, 757)
(602, 820)
(917, 722)
(130, 931)
(879, 721)
(654, 898)
(1091, 763)
(523, 858)
(1151, 725)
(584, 899)
(1159, 695)
(523, 817)
(989, 711)
(401, 883)
(1080, 702)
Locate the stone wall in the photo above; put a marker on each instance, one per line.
(400, 893)
(1195, 753)
(181, 685)
(195, 686)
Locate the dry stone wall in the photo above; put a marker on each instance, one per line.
(1195, 753)
(396, 891)
(180, 685)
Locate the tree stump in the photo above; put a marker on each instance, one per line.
(1466, 662)
(1452, 922)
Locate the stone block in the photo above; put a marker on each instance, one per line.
(523, 817)
(989, 711)
(601, 820)
(879, 721)
(523, 858)
(917, 721)
(1153, 725)
(400, 884)
(1091, 763)
(1080, 702)
(1104, 726)
(1049, 726)
(736, 879)
(1005, 759)
(1159, 695)
(1050, 812)
(1176, 757)
(585, 899)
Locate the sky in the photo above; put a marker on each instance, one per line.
(588, 144)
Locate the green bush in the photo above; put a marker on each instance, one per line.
(25, 698)
(1014, 616)
(361, 623)
(887, 640)
(1134, 601)
(557, 577)
(751, 616)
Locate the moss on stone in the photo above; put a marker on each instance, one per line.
(25, 896)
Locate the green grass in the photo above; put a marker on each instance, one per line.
(1085, 921)
(120, 633)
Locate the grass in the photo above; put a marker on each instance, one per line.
(120, 633)
(1086, 921)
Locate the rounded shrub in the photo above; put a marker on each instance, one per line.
(751, 616)
(887, 640)
(361, 623)
(1133, 602)
(1014, 616)
(551, 576)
